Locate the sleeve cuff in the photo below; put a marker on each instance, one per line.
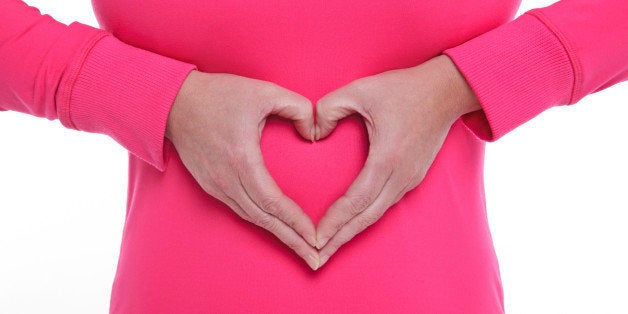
(517, 71)
(124, 92)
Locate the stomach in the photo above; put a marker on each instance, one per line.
(311, 47)
(185, 252)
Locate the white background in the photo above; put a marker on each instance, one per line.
(556, 188)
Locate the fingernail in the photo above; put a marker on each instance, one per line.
(322, 260)
(321, 242)
(313, 241)
(312, 134)
(314, 262)
(318, 132)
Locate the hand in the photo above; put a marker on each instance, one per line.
(215, 124)
(408, 114)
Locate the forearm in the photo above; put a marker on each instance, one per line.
(546, 57)
(39, 58)
(87, 79)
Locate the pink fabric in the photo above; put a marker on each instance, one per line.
(549, 56)
(185, 252)
(122, 91)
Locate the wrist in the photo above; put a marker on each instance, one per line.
(461, 96)
(180, 103)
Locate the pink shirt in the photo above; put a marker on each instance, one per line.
(185, 252)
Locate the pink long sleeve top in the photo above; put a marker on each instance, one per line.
(185, 252)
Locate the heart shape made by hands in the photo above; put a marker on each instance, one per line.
(408, 114)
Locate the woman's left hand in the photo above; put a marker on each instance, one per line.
(408, 114)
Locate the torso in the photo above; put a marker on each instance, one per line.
(185, 252)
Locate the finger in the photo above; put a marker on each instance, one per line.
(298, 109)
(282, 231)
(361, 194)
(329, 110)
(266, 194)
(390, 194)
(234, 206)
(240, 202)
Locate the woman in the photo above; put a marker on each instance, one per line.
(434, 243)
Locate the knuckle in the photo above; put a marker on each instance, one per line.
(303, 103)
(336, 224)
(271, 205)
(301, 114)
(367, 220)
(269, 90)
(357, 203)
(267, 222)
(274, 205)
(293, 245)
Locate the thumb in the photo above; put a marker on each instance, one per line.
(329, 110)
(298, 109)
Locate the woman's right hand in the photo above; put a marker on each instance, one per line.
(215, 124)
